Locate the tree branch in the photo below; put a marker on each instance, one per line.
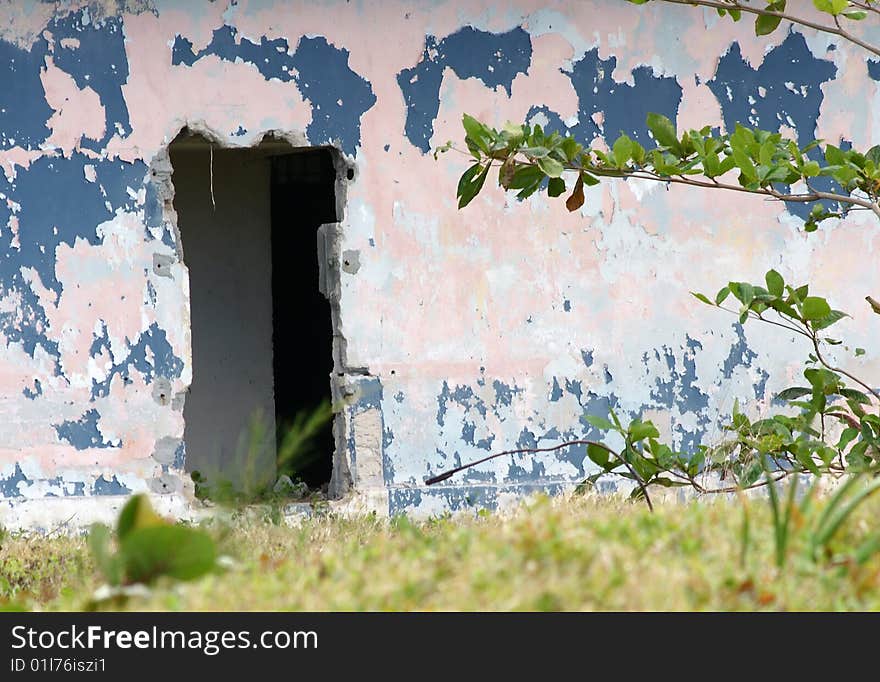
(833, 30)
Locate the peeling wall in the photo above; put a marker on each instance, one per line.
(457, 333)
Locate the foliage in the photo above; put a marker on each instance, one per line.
(148, 547)
(818, 528)
(586, 552)
(764, 163)
(836, 430)
(296, 449)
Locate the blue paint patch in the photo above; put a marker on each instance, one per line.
(99, 62)
(151, 293)
(574, 387)
(681, 392)
(740, 354)
(566, 305)
(58, 206)
(369, 395)
(164, 363)
(24, 112)
(587, 357)
(79, 488)
(624, 107)
(761, 386)
(32, 394)
(339, 96)
(555, 391)
(100, 342)
(83, 433)
(112, 487)
(461, 395)
(790, 78)
(504, 393)
(9, 486)
(525, 467)
(495, 58)
(153, 211)
(468, 435)
(874, 69)
(179, 456)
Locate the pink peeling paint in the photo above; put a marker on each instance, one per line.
(78, 113)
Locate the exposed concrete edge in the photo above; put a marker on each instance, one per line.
(66, 515)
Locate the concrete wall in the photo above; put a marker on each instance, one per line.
(223, 215)
(457, 333)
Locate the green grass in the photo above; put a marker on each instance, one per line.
(561, 554)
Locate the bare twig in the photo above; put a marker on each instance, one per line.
(638, 479)
(827, 365)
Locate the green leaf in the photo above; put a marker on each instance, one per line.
(847, 436)
(857, 396)
(599, 422)
(722, 294)
(663, 131)
(828, 320)
(525, 176)
(639, 430)
(810, 169)
(701, 297)
(175, 551)
(599, 455)
(834, 7)
(550, 166)
(775, 283)
(793, 393)
(622, 150)
(742, 292)
(556, 187)
(468, 190)
(854, 14)
(745, 164)
(860, 351)
(815, 308)
(476, 132)
(137, 513)
(764, 25)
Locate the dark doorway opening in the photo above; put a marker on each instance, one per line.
(261, 330)
(303, 199)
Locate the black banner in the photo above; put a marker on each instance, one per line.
(455, 645)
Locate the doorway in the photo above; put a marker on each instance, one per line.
(261, 330)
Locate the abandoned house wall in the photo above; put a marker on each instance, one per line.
(457, 333)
